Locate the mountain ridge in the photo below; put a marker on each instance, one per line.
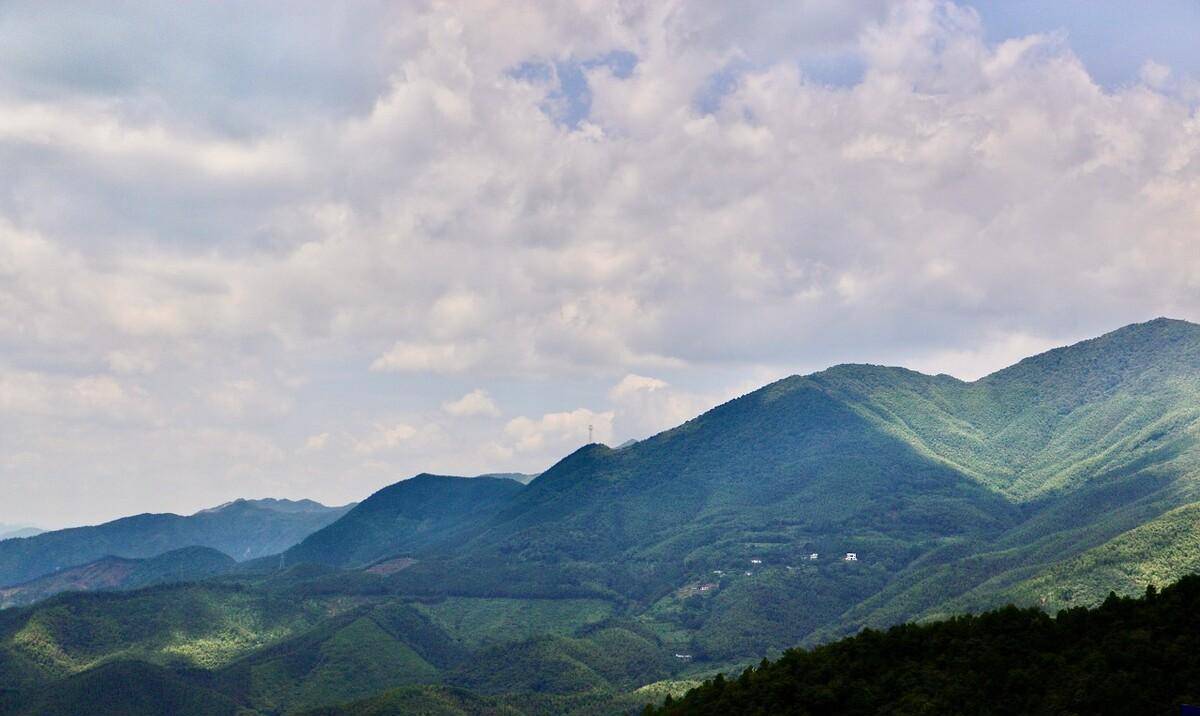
(798, 513)
(241, 529)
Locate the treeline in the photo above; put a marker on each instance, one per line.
(1126, 656)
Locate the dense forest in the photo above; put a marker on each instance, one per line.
(1125, 656)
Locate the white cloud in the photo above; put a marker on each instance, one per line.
(632, 384)
(316, 442)
(245, 398)
(384, 438)
(428, 358)
(477, 402)
(992, 354)
(646, 406)
(390, 204)
(92, 397)
(560, 432)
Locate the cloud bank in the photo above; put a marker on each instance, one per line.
(246, 251)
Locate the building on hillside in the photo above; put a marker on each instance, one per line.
(813, 557)
(684, 657)
(851, 557)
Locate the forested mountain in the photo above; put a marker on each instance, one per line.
(186, 564)
(1126, 656)
(243, 530)
(411, 515)
(860, 496)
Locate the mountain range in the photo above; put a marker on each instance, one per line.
(186, 564)
(860, 496)
(243, 529)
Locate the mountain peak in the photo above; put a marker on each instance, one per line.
(274, 504)
(1162, 344)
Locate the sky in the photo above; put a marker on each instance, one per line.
(308, 249)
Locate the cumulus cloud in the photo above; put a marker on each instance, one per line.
(645, 406)
(385, 438)
(338, 217)
(477, 402)
(428, 358)
(92, 397)
(633, 384)
(559, 431)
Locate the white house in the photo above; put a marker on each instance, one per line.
(813, 557)
(851, 557)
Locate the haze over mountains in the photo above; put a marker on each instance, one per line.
(10, 531)
(1049, 483)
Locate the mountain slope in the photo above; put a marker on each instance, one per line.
(1052, 421)
(941, 487)
(353, 655)
(411, 515)
(124, 688)
(1050, 482)
(1127, 656)
(243, 530)
(113, 573)
(779, 473)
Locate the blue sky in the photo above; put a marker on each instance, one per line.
(1113, 39)
(309, 250)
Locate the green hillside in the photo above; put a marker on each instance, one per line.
(1126, 656)
(414, 515)
(206, 626)
(188, 564)
(123, 688)
(695, 551)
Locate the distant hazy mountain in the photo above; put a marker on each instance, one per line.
(110, 573)
(12, 531)
(521, 477)
(244, 529)
(278, 505)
